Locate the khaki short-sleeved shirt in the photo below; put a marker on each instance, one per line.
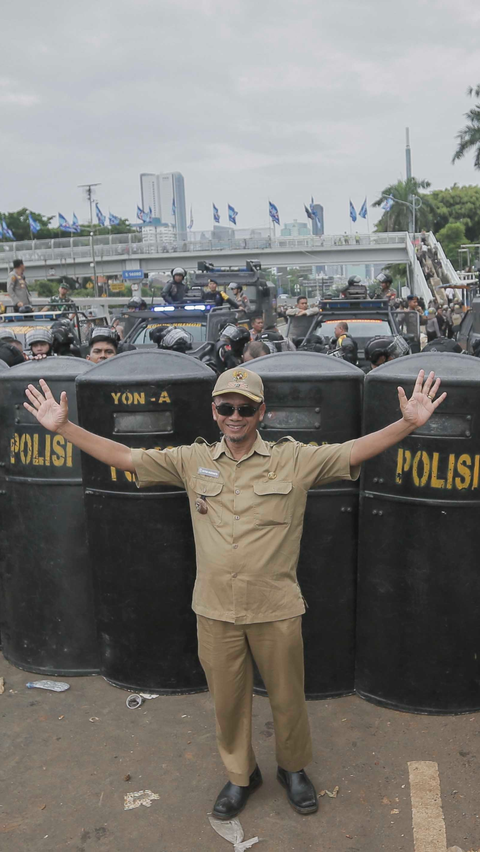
(248, 542)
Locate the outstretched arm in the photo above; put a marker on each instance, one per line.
(415, 412)
(54, 416)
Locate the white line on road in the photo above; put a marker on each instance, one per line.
(427, 815)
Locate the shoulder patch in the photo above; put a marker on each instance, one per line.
(282, 441)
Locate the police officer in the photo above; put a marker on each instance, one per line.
(247, 501)
(212, 295)
(17, 286)
(342, 345)
(103, 344)
(380, 349)
(355, 289)
(229, 348)
(136, 303)
(40, 343)
(64, 339)
(169, 337)
(175, 290)
(386, 290)
(241, 298)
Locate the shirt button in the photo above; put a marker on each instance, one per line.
(234, 575)
(235, 546)
(237, 491)
(237, 517)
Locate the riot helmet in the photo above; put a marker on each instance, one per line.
(136, 303)
(387, 347)
(6, 335)
(178, 270)
(385, 278)
(354, 279)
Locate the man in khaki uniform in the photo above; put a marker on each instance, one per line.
(247, 501)
(17, 286)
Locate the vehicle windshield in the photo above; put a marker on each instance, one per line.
(362, 328)
(197, 330)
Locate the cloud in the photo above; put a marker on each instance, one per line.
(247, 99)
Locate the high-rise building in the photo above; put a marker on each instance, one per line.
(165, 194)
(150, 194)
(295, 229)
(172, 201)
(318, 223)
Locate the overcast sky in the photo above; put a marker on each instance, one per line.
(249, 99)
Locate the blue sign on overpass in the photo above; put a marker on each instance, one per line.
(132, 274)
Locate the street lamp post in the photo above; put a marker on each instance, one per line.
(94, 264)
(412, 206)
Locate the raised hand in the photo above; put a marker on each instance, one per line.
(421, 405)
(51, 414)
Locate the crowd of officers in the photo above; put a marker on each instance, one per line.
(237, 343)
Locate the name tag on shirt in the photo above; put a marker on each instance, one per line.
(204, 471)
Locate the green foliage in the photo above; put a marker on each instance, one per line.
(398, 217)
(47, 288)
(457, 204)
(18, 224)
(469, 136)
(452, 236)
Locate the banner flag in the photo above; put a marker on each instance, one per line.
(232, 214)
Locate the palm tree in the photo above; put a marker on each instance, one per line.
(398, 217)
(469, 137)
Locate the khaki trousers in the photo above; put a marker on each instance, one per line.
(226, 652)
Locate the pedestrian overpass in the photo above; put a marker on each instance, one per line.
(115, 254)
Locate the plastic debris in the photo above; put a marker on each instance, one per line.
(141, 797)
(52, 685)
(149, 695)
(94, 719)
(331, 795)
(232, 831)
(134, 701)
(2, 685)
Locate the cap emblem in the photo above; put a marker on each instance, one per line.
(240, 375)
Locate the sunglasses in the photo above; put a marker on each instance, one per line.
(226, 409)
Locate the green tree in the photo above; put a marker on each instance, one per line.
(20, 228)
(398, 217)
(452, 236)
(469, 136)
(457, 204)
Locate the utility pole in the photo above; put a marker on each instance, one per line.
(90, 195)
(408, 160)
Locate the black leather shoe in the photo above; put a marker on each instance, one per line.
(232, 799)
(300, 791)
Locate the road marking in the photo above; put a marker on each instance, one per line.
(427, 815)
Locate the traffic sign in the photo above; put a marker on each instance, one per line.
(116, 286)
(132, 274)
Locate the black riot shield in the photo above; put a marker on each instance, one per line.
(419, 584)
(141, 541)
(48, 623)
(317, 399)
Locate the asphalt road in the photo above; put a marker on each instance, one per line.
(65, 758)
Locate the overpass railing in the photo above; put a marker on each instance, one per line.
(131, 245)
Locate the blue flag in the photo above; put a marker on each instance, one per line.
(216, 214)
(388, 203)
(273, 212)
(100, 217)
(34, 226)
(174, 208)
(6, 231)
(314, 213)
(63, 224)
(141, 214)
(232, 214)
(1, 231)
(113, 220)
(75, 224)
(150, 216)
(363, 210)
(308, 211)
(353, 213)
(190, 224)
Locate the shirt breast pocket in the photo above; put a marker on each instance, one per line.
(211, 490)
(272, 503)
